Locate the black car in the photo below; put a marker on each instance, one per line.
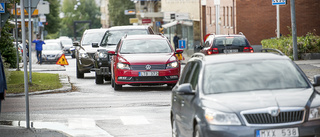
(216, 44)
(245, 95)
(109, 41)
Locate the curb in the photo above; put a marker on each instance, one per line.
(64, 80)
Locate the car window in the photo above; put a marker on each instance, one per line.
(252, 76)
(186, 74)
(145, 46)
(114, 36)
(195, 75)
(89, 38)
(66, 41)
(208, 41)
(51, 46)
(230, 41)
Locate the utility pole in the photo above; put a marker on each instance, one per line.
(294, 30)
(16, 33)
(30, 39)
(26, 87)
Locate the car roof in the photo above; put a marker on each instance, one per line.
(231, 35)
(236, 57)
(128, 27)
(95, 30)
(145, 37)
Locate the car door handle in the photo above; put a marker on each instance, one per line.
(182, 103)
(174, 98)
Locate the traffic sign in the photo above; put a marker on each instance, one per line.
(62, 60)
(182, 44)
(279, 2)
(2, 8)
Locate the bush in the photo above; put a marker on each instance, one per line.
(306, 44)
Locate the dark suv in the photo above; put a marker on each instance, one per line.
(245, 95)
(109, 41)
(216, 44)
(84, 52)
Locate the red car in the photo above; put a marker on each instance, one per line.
(144, 60)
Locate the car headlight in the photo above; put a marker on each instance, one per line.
(221, 118)
(123, 66)
(314, 113)
(172, 65)
(84, 55)
(102, 54)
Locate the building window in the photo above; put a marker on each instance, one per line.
(224, 16)
(142, 2)
(227, 16)
(210, 14)
(231, 17)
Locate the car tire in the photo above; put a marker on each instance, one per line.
(73, 56)
(107, 78)
(170, 86)
(116, 86)
(175, 132)
(112, 83)
(79, 74)
(197, 131)
(99, 79)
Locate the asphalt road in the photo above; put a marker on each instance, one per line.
(96, 110)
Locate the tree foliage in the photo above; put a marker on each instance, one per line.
(86, 11)
(53, 18)
(116, 12)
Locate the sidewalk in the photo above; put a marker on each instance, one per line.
(14, 131)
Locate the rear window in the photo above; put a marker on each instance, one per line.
(230, 41)
(252, 76)
(145, 46)
(114, 36)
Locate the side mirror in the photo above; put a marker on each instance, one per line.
(179, 51)
(316, 80)
(110, 52)
(95, 45)
(76, 43)
(185, 89)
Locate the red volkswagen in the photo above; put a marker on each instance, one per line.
(144, 60)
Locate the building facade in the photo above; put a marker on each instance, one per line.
(105, 20)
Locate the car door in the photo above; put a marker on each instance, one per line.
(187, 110)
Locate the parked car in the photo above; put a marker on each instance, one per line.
(110, 40)
(144, 60)
(244, 95)
(68, 48)
(216, 44)
(84, 52)
(51, 52)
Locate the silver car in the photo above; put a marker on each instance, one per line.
(51, 52)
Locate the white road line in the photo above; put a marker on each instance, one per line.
(134, 120)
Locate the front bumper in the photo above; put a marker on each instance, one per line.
(307, 129)
(105, 71)
(131, 77)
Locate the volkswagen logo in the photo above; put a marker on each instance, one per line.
(148, 67)
(274, 111)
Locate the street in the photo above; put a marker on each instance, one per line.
(96, 110)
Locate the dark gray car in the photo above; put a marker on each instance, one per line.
(102, 63)
(245, 95)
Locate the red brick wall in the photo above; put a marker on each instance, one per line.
(257, 19)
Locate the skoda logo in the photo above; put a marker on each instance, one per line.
(274, 112)
(148, 67)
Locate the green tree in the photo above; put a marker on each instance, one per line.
(86, 10)
(116, 12)
(53, 18)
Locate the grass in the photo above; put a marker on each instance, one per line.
(40, 81)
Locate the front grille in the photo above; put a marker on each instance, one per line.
(153, 67)
(266, 118)
(51, 56)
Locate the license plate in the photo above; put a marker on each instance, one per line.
(151, 73)
(230, 51)
(284, 132)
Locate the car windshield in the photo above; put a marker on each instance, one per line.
(251, 76)
(145, 46)
(89, 38)
(230, 41)
(114, 36)
(66, 41)
(51, 46)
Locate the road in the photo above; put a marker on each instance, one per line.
(96, 110)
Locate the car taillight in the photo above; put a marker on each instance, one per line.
(213, 51)
(248, 49)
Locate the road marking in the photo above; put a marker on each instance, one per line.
(134, 120)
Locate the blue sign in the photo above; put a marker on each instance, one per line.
(2, 8)
(158, 23)
(40, 24)
(279, 2)
(182, 44)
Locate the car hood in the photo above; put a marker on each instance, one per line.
(89, 49)
(161, 58)
(51, 52)
(236, 102)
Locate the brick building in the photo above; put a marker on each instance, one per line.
(257, 19)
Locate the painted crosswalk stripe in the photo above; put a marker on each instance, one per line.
(134, 120)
